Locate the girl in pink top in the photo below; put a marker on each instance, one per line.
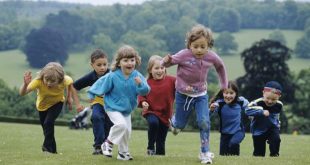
(193, 65)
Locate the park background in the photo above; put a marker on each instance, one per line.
(259, 41)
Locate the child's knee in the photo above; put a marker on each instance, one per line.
(204, 125)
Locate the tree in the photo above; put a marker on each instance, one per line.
(45, 45)
(225, 43)
(224, 19)
(300, 109)
(302, 48)
(105, 43)
(277, 35)
(263, 62)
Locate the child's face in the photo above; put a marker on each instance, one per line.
(158, 71)
(270, 98)
(229, 95)
(199, 47)
(100, 66)
(127, 65)
(50, 82)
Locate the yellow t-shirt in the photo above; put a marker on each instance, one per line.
(98, 100)
(47, 97)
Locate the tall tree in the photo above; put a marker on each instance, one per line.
(300, 109)
(224, 19)
(302, 48)
(45, 45)
(263, 62)
(277, 35)
(225, 43)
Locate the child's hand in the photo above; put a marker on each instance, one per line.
(167, 58)
(213, 106)
(27, 77)
(145, 105)
(266, 113)
(138, 80)
(79, 107)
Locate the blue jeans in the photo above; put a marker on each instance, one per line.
(230, 143)
(47, 120)
(101, 124)
(184, 105)
(157, 134)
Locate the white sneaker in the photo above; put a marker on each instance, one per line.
(124, 156)
(107, 149)
(174, 130)
(206, 158)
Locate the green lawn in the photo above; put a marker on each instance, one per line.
(13, 63)
(20, 144)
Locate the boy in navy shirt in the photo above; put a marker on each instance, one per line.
(265, 124)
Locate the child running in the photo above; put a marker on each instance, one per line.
(158, 105)
(265, 124)
(230, 108)
(50, 86)
(193, 64)
(120, 88)
(100, 121)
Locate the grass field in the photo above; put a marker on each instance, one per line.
(13, 63)
(21, 144)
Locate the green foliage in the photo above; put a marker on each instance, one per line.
(12, 104)
(263, 62)
(277, 35)
(300, 108)
(45, 45)
(302, 49)
(224, 19)
(225, 43)
(105, 43)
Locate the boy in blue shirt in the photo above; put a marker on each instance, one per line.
(265, 124)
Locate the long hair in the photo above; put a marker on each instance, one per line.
(219, 95)
(151, 63)
(125, 51)
(52, 70)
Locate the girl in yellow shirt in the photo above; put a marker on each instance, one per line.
(50, 85)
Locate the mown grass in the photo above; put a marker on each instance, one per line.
(21, 144)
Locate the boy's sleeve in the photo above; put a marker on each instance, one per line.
(68, 80)
(254, 110)
(82, 82)
(101, 86)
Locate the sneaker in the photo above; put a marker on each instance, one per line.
(150, 152)
(124, 156)
(174, 130)
(206, 158)
(107, 149)
(97, 151)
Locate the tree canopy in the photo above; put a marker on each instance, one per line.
(43, 46)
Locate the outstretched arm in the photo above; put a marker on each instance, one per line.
(27, 79)
(72, 94)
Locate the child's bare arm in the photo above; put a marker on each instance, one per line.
(27, 79)
(72, 95)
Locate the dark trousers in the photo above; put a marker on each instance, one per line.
(47, 120)
(272, 137)
(157, 133)
(101, 124)
(230, 143)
